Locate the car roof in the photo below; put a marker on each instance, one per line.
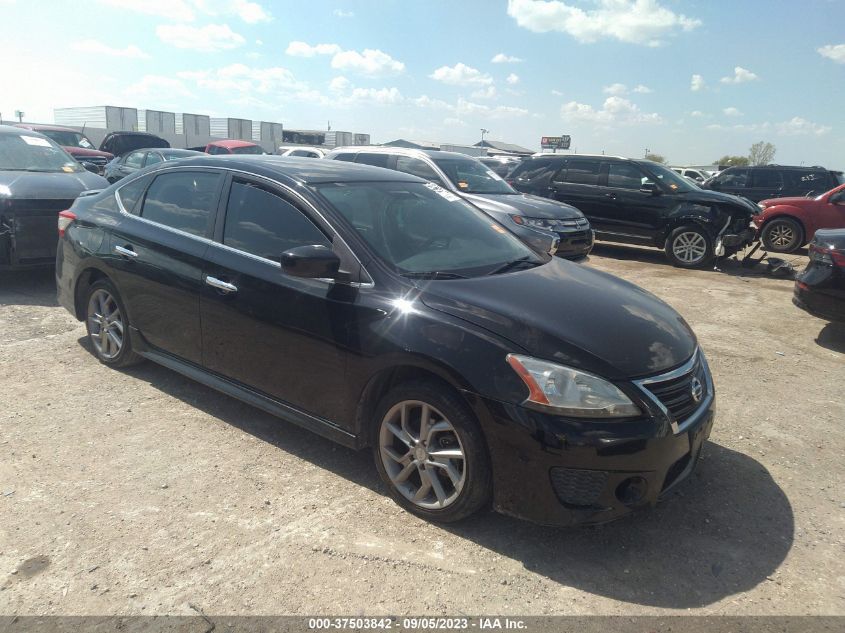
(795, 167)
(233, 143)
(37, 127)
(296, 170)
(405, 151)
(18, 131)
(128, 133)
(175, 151)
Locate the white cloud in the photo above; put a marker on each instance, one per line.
(836, 52)
(557, 93)
(157, 87)
(98, 48)
(236, 78)
(370, 62)
(461, 75)
(188, 10)
(206, 39)
(463, 109)
(740, 76)
(301, 49)
(340, 84)
(632, 21)
(696, 113)
(501, 58)
(614, 111)
(378, 96)
(742, 127)
(340, 13)
(453, 121)
(731, 111)
(512, 79)
(799, 126)
(488, 92)
(697, 83)
(641, 89)
(615, 89)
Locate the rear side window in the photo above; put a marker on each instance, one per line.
(182, 200)
(737, 178)
(580, 172)
(262, 223)
(376, 160)
(130, 193)
(768, 178)
(345, 157)
(532, 169)
(153, 158)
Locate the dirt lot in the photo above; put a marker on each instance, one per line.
(140, 492)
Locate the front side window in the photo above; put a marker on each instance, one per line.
(135, 160)
(735, 179)
(471, 176)
(533, 169)
(153, 158)
(348, 157)
(262, 223)
(376, 160)
(418, 228)
(624, 176)
(668, 178)
(182, 200)
(417, 167)
(34, 153)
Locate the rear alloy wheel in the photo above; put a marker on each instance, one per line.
(108, 328)
(689, 247)
(430, 452)
(782, 235)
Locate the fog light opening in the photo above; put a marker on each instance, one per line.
(632, 490)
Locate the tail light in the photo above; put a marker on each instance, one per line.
(65, 220)
(828, 256)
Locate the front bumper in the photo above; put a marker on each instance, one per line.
(567, 471)
(575, 244)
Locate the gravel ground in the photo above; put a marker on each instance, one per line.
(141, 492)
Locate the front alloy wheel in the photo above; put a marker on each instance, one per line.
(689, 247)
(782, 235)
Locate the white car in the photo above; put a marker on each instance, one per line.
(302, 151)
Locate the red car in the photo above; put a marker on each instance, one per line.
(233, 147)
(787, 224)
(74, 143)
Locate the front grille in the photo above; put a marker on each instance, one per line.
(572, 225)
(676, 394)
(96, 160)
(578, 487)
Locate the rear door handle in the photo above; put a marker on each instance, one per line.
(220, 284)
(612, 196)
(127, 252)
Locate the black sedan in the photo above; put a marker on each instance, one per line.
(379, 311)
(820, 288)
(38, 179)
(133, 161)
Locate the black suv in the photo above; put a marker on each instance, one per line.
(774, 181)
(642, 202)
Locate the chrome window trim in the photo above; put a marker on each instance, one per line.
(177, 168)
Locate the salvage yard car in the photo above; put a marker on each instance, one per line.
(233, 146)
(37, 180)
(133, 161)
(762, 182)
(74, 143)
(380, 311)
(644, 203)
(530, 217)
(820, 288)
(121, 143)
(786, 224)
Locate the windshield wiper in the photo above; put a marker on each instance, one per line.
(433, 274)
(513, 264)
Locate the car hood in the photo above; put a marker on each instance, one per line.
(524, 204)
(799, 200)
(573, 315)
(77, 152)
(49, 186)
(706, 196)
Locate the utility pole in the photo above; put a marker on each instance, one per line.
(483, 132)
(646, 152)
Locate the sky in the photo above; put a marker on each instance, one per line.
(691, 80)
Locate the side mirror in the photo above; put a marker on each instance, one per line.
(311, 262)
(94, 169)
(650, 187)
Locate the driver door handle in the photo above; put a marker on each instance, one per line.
(220, 284)
(127, 252)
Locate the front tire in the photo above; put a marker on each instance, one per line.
(108, 326)
(782, 235)
(430, 452)
(689, 246)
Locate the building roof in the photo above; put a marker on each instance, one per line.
(401, 142)
(505, 147)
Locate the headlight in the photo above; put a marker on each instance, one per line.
(537, 223)
(762, 206)
(569, 391)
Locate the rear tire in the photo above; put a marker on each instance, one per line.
(689, 246)
(108, 326)
(782, 235)
(437, 469)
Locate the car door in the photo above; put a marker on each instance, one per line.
(628, 210)
(274, 333)
(577, 183)
(156, 254)
(131, 163)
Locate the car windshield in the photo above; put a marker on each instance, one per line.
(472, 176)
(248, 149)
(675, 182)
(423, 230)
(34, 153)
(68, 138)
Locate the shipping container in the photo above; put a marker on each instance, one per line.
(271, 133)
(227, 127)
(339, 139)
(361, 139)
(156, 122)
(193, 125)
(469, 150)
(112, 118)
